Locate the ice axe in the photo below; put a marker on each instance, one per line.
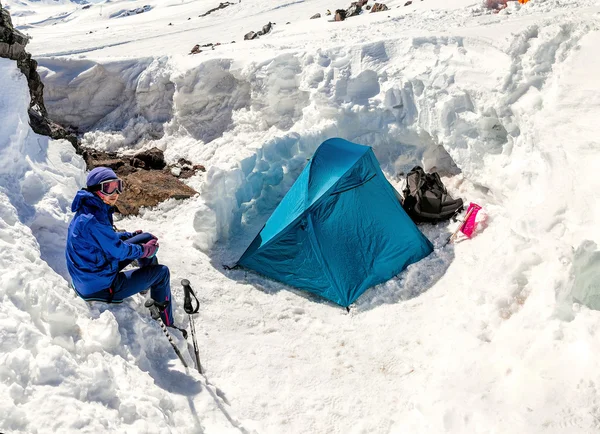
(467, 226)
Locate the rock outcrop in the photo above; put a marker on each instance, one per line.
(12, 46)
(265, 29)
(147, 178)
(380, 7)
(354, 9)
(149, 188)
(221, 6)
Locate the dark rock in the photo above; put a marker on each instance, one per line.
(196, 49)
(266, 29)
(136, 162)
(340, 15)
(408, 3)
(315, 16)
(250, 35)
(253, 35)
(44, 126)
(8, 34)
(186, 172)
(147, 181)
(353, 10)
(94, 158)
(221, 6)
(151, 159)
(189, 170)
(379, 7)
(184, 162)
(148, 188)
(12, 46)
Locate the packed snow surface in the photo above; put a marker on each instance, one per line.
(494, 334)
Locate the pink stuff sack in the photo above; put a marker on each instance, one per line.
(469, 225)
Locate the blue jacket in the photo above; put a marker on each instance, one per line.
(94, 248)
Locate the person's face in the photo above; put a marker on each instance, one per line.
(109, 199)
(109, 191)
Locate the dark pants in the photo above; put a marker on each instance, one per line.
(150, 275)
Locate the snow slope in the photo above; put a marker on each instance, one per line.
(482, 336)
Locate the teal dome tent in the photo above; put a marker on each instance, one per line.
(339, 230)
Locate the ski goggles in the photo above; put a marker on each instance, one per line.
(109, 187)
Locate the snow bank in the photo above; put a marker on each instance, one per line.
(75, 367)
(134, 97)
(38, 176)
(455, 103)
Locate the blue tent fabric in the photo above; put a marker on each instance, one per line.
(339, 230)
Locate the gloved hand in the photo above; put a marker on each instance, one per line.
(150, 248)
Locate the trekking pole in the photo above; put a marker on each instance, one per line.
(155, 309)
(190, 310)
(219, 397)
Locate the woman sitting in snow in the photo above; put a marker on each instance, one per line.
(96, 253)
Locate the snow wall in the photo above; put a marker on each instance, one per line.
(458, 104)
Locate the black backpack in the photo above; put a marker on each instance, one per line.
(426, 198)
